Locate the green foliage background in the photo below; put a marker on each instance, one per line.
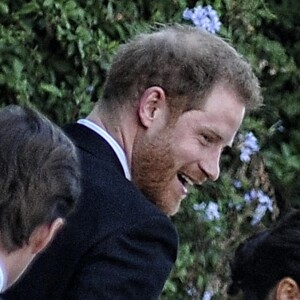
(54, 55)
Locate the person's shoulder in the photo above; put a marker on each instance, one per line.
(117, 196)
(109, 202)
(86, 139)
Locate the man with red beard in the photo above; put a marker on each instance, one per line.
(172, 100)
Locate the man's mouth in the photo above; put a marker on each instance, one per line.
(185, 180)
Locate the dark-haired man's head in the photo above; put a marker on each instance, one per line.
(267, 265)
(39, 186)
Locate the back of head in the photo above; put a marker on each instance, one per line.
(266, 258)
(39, 174)
(185, 61)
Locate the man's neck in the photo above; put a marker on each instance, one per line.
(123, 132)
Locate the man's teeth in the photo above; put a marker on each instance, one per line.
(187, 179)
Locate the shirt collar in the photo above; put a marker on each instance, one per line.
(3, 277)
(112, 142)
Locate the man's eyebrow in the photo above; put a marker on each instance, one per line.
(217, 136)
(212, 132)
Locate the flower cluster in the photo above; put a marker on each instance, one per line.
(237, 183)
(264, 203)
(210, 209)
(203, 17)
(249, 146)
(207, 295)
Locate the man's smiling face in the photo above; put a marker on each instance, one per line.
(167, 163)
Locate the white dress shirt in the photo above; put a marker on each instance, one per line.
(111, 141)
(3, 277)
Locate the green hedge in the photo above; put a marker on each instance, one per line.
(54, 55)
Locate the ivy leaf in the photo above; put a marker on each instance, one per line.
(51, 89)
(29, 8)
(4, 9)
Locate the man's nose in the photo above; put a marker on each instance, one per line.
(212, 165)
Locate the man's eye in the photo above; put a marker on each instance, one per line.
(206, 139)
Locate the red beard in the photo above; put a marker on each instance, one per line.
(153, 168)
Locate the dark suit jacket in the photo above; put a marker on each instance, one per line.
(117, 244)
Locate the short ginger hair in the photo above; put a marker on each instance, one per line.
(187, 62)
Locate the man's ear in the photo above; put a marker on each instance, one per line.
(287, 289)
(152, 104)
(43, 235)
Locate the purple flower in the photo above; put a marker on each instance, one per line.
(203, 17)
(187, 14)
(237, 184)
(199, 206)
(253, 194)
(211, 210)
(249, 146)
(265, 200)
(258, 214)
(245, 154)
(251, 142)
(247, 198)
(214, 25)
(264, 204)
(207, 295)
(250, 196)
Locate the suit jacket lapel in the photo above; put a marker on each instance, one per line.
(89, 141)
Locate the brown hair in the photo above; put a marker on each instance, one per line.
(39, 174)
(185, 61)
